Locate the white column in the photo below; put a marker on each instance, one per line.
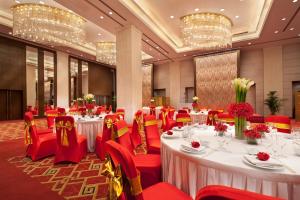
(273, 73)
(129, 71)
(62, 79)
(174, 71)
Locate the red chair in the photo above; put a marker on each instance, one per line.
(121, 156)
(40, 131)
(152, 134)
(137, 129)
(82, 110)
(282, 123)
(148, 164)
(51, 114)
(182, 118)
(182, 111)
(61, 111)
(167, 123)
(171, 113)
(121, 113)
(217, 192)
(211, 117)
(152, 110)
(225, 118)
(109, 109)
(105, 135)
(186, 108)
(70, 146)
(100, 110)
(39, 145)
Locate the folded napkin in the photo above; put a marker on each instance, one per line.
(190, 148)
(269, 163)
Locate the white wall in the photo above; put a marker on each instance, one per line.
(31, 85)
(62, 80)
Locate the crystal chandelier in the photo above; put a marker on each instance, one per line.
(47, 25)
(206, 31)
(106, 52)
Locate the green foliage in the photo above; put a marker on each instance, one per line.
(273, 102)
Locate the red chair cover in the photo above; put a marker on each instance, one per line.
(109, 109)
(137, 129)
(149, 164)
(182, 111)
(225, 117)
(121, 113)
(51, 114)
(182, 118)
(282, 123)
(106, 135)
(152, 134)
(217, 192)
(40, 131)
(152, 110)
(211, 117)
(171, 113)
(100, 110)
(39, 145)
(61, 111)
(70, 146)
(120, 155)
(167, 123)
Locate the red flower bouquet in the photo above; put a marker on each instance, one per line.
(262, 128)
(89, 106)
(195, 144)
(240, 110)
(169, 133)
(220, 128)
(262, 156)
(252, 135)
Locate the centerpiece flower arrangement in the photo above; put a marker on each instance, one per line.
(262, 129)
(241, 110)
(152, 102)
(79, 102)
(195, 104)
(252, 135)
(220, 128)
(89, 102)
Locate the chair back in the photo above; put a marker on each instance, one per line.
(61, 111)
(121, 156)
(100, 110)
(163, 115)
(122, 135)
(121, 113)
(225, 118)
(65, 132)
(182, 111)
(282, 123)
(151, 128)
(182, 118)
(187, 109)
(51, 114)
(30, 131)
(137, 128)
(152, 110)
(211, 117)
(171, 112)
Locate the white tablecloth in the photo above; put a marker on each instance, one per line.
(90, 127)
(190, 172)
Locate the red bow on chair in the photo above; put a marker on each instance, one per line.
(27, 137)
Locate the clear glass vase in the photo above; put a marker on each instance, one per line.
(240, 126)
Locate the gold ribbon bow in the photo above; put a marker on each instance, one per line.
(164, 116)
(27, 136)
(139, 121)
(109, 123)
(115, 179)
(121, 132)
(64, 136)
(150, 123)
(135, 185)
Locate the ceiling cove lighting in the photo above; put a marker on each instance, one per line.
(206, 31)
(106, 52)
(47, 25)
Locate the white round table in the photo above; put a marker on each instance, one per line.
(89, 127)
(216, 166)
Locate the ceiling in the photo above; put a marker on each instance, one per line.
(259, 22)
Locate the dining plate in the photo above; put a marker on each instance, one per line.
(165, 135)
(262, 166)
(187, 150)
(178, 129)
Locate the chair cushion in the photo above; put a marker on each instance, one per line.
(153, 146)
(44, 131)
(48, 136)
(164, 191)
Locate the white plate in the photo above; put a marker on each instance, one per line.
(178, 129)
(269, 167)
(165, 135)
(201, 149)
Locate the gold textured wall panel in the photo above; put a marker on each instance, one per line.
(213, 79)
(147, 84)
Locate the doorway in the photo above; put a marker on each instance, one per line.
(296, 100)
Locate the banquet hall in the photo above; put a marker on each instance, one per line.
(150, 99)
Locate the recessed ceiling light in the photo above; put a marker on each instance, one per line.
(291, 29)
(68, 51)
(147, 40)
(81, 55)
(41, 2)
(99, 34)
(237, 16)
(157, 47)
(150, 49)
(222, 9)
(184, 55)
(172, 17)
(196, 9)
(17, 1)
(110, 13)
(283, 19)
(294, 1)
(299, 34)
(276, 32)
(249, 43)
(9, 33)
(101, 17)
